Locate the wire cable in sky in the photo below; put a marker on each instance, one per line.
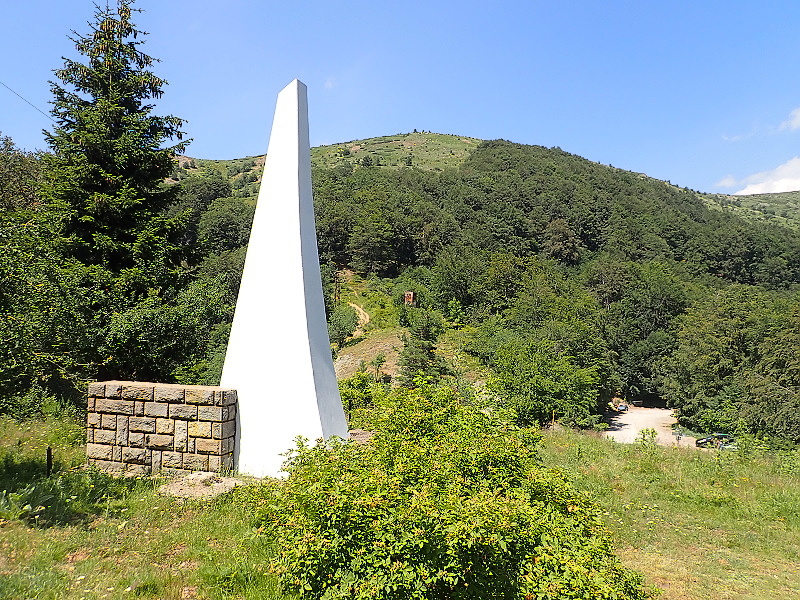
(26, 101)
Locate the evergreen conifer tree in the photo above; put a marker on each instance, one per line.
(106, 173)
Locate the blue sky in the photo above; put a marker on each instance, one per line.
(705, 93)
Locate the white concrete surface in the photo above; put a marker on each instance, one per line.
(279, 355)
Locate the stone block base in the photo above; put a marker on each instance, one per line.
(141, 428)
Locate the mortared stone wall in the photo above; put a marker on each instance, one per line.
(143, 428)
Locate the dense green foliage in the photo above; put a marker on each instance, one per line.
(446, 501)
(581, 281)
(106, 170)
(572, 282)
(94, 279)
(19, 175)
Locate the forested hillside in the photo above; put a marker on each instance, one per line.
(582, 281)
(571, 281)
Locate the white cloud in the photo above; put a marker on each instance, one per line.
(727, 181)
(784, 178)
(793, 122)
(330, 83)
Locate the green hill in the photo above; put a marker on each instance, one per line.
(779, 209)
(425, 150)
(568, 281)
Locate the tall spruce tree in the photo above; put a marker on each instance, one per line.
(106, 173)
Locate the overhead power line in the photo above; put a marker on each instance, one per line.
(27, 102)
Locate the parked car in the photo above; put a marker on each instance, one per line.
(622, 407)
(722, 441)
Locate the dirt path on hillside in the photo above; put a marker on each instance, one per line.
(624, 427)
(363, 318)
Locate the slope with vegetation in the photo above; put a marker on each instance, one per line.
(601, 282)
(781, 208)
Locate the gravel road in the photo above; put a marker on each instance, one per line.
(624, 427)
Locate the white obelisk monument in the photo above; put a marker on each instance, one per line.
(279, 356)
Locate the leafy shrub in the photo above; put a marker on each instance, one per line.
(446, 501)
(65, 497)
(357, 391)
(342, 324)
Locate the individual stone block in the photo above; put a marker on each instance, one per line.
(136, 439)
(169, 393)
(113, 389)
(99, 451)
(195, 462)
(134, 455)
(116, 453)
(90, 404)
(90, 435)
(97, 390)
(227, 445)
(156, 409)
(158, 442)
(136, 391)
(105, 436)
(204, 446)
(138, 408)
(165, 426)
(155, 461)
(200, 429)
(172, 460)
(93, 419)
(226, 398)
(199, 396)
(137, 469)
(121, 407)
(107, 465)
(214, 463)
(145, 424)
(122, 430)
(108, 421)
(210, 413)
(181, 435)
(182, 411)
(223, 430)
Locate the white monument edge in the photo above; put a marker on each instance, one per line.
(278, 356)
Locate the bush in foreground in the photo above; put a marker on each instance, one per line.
(446, 501)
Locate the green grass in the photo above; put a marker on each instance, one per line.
(428, 151)
(778, 209)
(425, 150)
(694, 522)
(100, 537)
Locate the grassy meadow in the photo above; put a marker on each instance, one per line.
(423, 150)
(695, 523)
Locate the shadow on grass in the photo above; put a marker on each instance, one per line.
(67, 496)
(352, 341)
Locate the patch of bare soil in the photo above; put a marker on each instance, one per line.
(626, 426)
(199, 485)
(387, 343)
(363, 318)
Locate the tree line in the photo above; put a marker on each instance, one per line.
(574, 282)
